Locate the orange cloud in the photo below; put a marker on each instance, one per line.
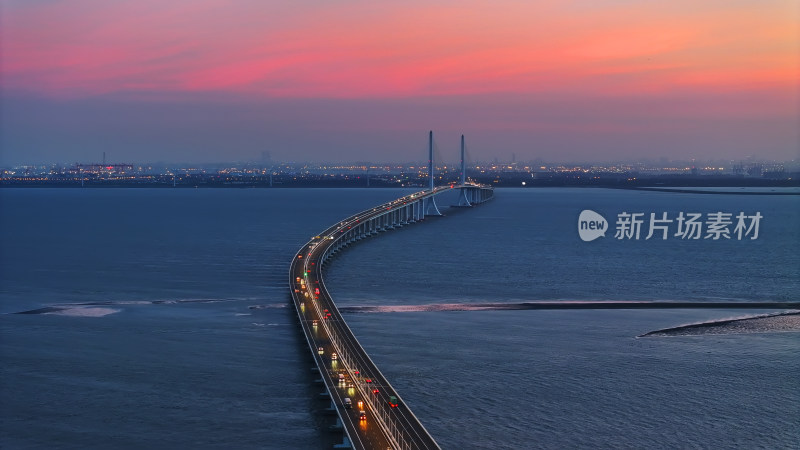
(358, 49)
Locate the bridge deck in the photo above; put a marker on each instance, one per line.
(353, 374)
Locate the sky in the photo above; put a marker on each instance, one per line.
(352, 80)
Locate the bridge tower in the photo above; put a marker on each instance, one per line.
(430, 208)
(463, 200)
(430, 157)
(463, 163)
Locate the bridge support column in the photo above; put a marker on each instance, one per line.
(463, 199)
(345, 443)
(430, 207)
(338, 425)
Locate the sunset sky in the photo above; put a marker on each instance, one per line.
(349, 80)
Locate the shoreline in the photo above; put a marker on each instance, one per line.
(787, 321)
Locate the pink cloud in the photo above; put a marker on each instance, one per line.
(356, 49)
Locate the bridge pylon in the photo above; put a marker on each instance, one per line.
(430, 208)
(462, 196)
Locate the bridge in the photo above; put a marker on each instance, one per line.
(376, 417)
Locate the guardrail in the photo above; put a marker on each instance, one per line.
(402, 428)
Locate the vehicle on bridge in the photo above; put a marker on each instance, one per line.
(393, 426)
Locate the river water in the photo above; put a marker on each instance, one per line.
(160, 317)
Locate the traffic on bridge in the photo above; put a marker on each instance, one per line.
(371, 413)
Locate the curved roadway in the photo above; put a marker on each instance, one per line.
(352, 374)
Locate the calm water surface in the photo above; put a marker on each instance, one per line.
(184, 339)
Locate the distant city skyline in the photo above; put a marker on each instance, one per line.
(211, 81)
(448, 161)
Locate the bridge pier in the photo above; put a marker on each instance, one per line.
(464, 197)
(430, 208)
(338, 425)
(345, 443)
(472, 195)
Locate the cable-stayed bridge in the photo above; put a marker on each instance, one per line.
(370, 412)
